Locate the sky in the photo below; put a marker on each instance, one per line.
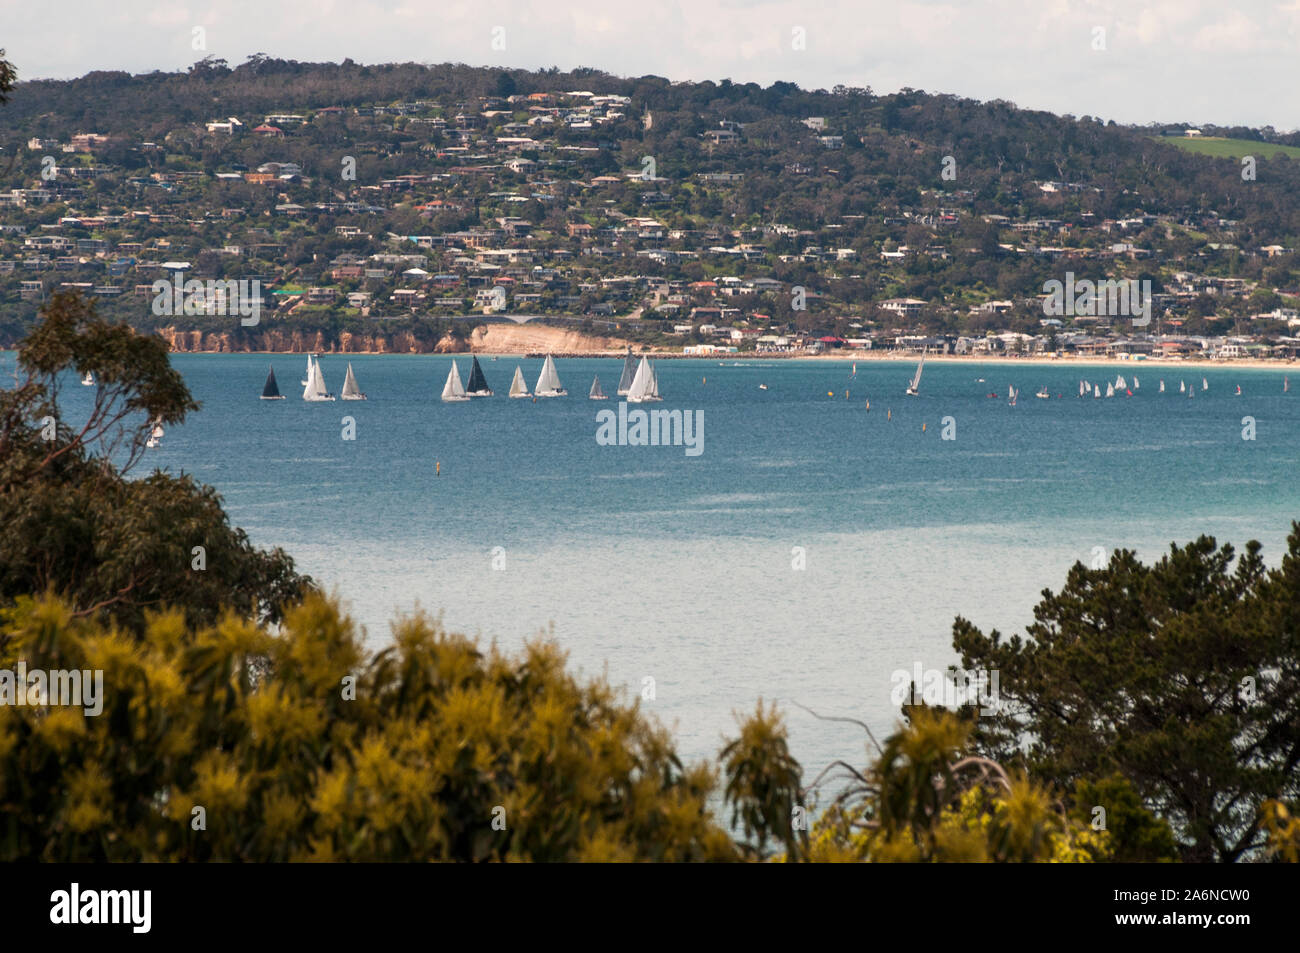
(1228, 62)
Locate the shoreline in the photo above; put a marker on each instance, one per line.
(1246, 363)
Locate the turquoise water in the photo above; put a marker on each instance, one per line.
(652, 563)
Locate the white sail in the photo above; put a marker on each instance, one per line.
(596, 392)
(1205, 385)
(1110, 390)
(454, 389)
(1162, 386)
(916, 379)
(1182, 387)
(1096, 390)
(1119, 382)
(350, 389)
(644, 387)
(1136, 386)
(315, 389)
(88, 380)
(548, 382)
(517, 386)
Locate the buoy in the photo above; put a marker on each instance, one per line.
(889, 415)
(437, 468)
(830, 393)
(922, 428)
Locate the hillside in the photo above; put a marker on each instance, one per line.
(417, 194)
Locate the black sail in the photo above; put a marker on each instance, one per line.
(629, 372)
(477, 383)
(271, 389)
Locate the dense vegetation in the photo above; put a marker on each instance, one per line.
(884, 189)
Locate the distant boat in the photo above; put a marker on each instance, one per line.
(454, 390)
(762, 387)
(1238, 394)
(1182, 386)
(478, 386)
(645, 385)
(1120, 383)
(88, 380)
(152, 442)
(306, 379)
(1110, 390)
(350, 389)
(1136, 385)
(517, 386)
(596, 392)
(1096, 390)
(913, 387)
(1205, 385)
(629, 372)
(1083, 388)
(548, 382)
(315, 389)
(271, 390)
(1162, 386)
(1011, 392)
(1042, 393)
(157, 432)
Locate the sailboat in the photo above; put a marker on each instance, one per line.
(307, 379)
(517, 386)
(1191, 392)
(350, 389)
(645, 385)
(1136, 385)
(1083, 388)
(1162, 385)
(1182, 386)
(454, 390)
(1011, 392)
(271, 390)
(596, 392)
(1119, 382)
(1042, 393)
(548, 382)
(1110, 390)
(912, 388)
(89, 379)
(629, 372)
(1238, 394)
(478, 386)
(315, 388)
(1205, 385)
(1096, 391)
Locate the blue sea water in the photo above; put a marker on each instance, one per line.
(649, 563)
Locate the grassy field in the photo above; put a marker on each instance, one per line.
(1230, 148)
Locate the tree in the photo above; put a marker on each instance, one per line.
(928, 800)
(8, 78)
(76, 525)
(1182, 677)
(226, 742)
